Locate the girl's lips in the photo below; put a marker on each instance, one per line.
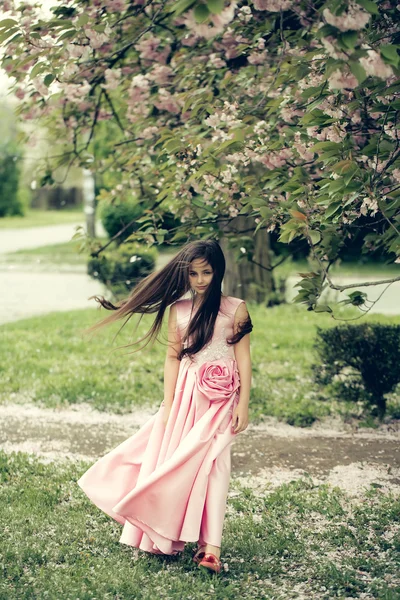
(201, 287)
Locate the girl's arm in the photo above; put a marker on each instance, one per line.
(243, 359)
(171, 366)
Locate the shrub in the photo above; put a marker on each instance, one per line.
(10, 203)
(116, 215)
(363, 360)
(123, 266)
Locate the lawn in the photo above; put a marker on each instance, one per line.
(49, 361)
(36, 218)
(299, 540)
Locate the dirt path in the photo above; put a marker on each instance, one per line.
(272, 452)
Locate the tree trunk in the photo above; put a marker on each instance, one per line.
(243, 278)
(89, 202)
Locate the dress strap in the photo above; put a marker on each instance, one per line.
(231, 305)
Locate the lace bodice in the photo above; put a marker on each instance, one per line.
(217, 348)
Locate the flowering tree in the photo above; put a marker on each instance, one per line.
(280, 112)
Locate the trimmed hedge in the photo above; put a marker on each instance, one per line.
(362, 362)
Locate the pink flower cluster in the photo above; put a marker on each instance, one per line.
(354, 19)
(149, 51)
(374, 65)
(305, 152)
(273, 160)
(273, 5)
(116, 5)
(215, 25)
(112, 77)
(167, 102)
(339, 80)
(96, 39)
(229, 43)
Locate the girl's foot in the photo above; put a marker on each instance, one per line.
(199, 555)
(210, 562)
(216, 550)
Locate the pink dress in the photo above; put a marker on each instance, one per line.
(168, 485)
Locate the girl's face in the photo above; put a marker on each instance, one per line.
(200, 275)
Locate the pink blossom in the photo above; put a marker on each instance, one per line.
(167, 102)
(19, 92)
(148, 50)
(374, 65)
(8, 6)
(190, 40)
(257, 58)
(40, 86)
(339, 80)
(215, 25)
(273, 5)
(96, 39)
(112, 77)
(216, 61)
(149, 132)
(116, 5)
(161, 74)
(329, 45)
(229, 43)
(304, 152)
(396, 175)
(288, 112)
(354, 19)
(76, 92)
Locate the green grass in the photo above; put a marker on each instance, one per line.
(48, 360)
(298, 540)
(52, 254)
(36, 217)
(342, 269)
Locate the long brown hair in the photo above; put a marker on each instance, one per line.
(164, 287)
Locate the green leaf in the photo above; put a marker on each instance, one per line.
(323, 308)
(315, 237)
(326, 146)
(182, 6)
(71, 33)
(390, 53)
(83, 19)
(7, 33)
(358, 71)
(172, 145)
(332, 208)
(349, 39)
(48, 79)
(7, 23)
(37, 69)
(369, 6)
(265, 212)
(215, 6)
(201, 13)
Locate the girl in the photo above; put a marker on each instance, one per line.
(168, 483)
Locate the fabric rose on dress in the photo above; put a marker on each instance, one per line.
(218, 379)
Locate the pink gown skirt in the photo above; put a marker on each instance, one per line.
(169, 485)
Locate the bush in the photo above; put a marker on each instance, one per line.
(123, 266)
(361, 361)
(10, 203)
(114, 216)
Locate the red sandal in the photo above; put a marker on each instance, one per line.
(199, 555)
(211, 562)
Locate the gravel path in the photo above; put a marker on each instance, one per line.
(273, 452)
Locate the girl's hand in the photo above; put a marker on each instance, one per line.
(240, 418)
(167, 410)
